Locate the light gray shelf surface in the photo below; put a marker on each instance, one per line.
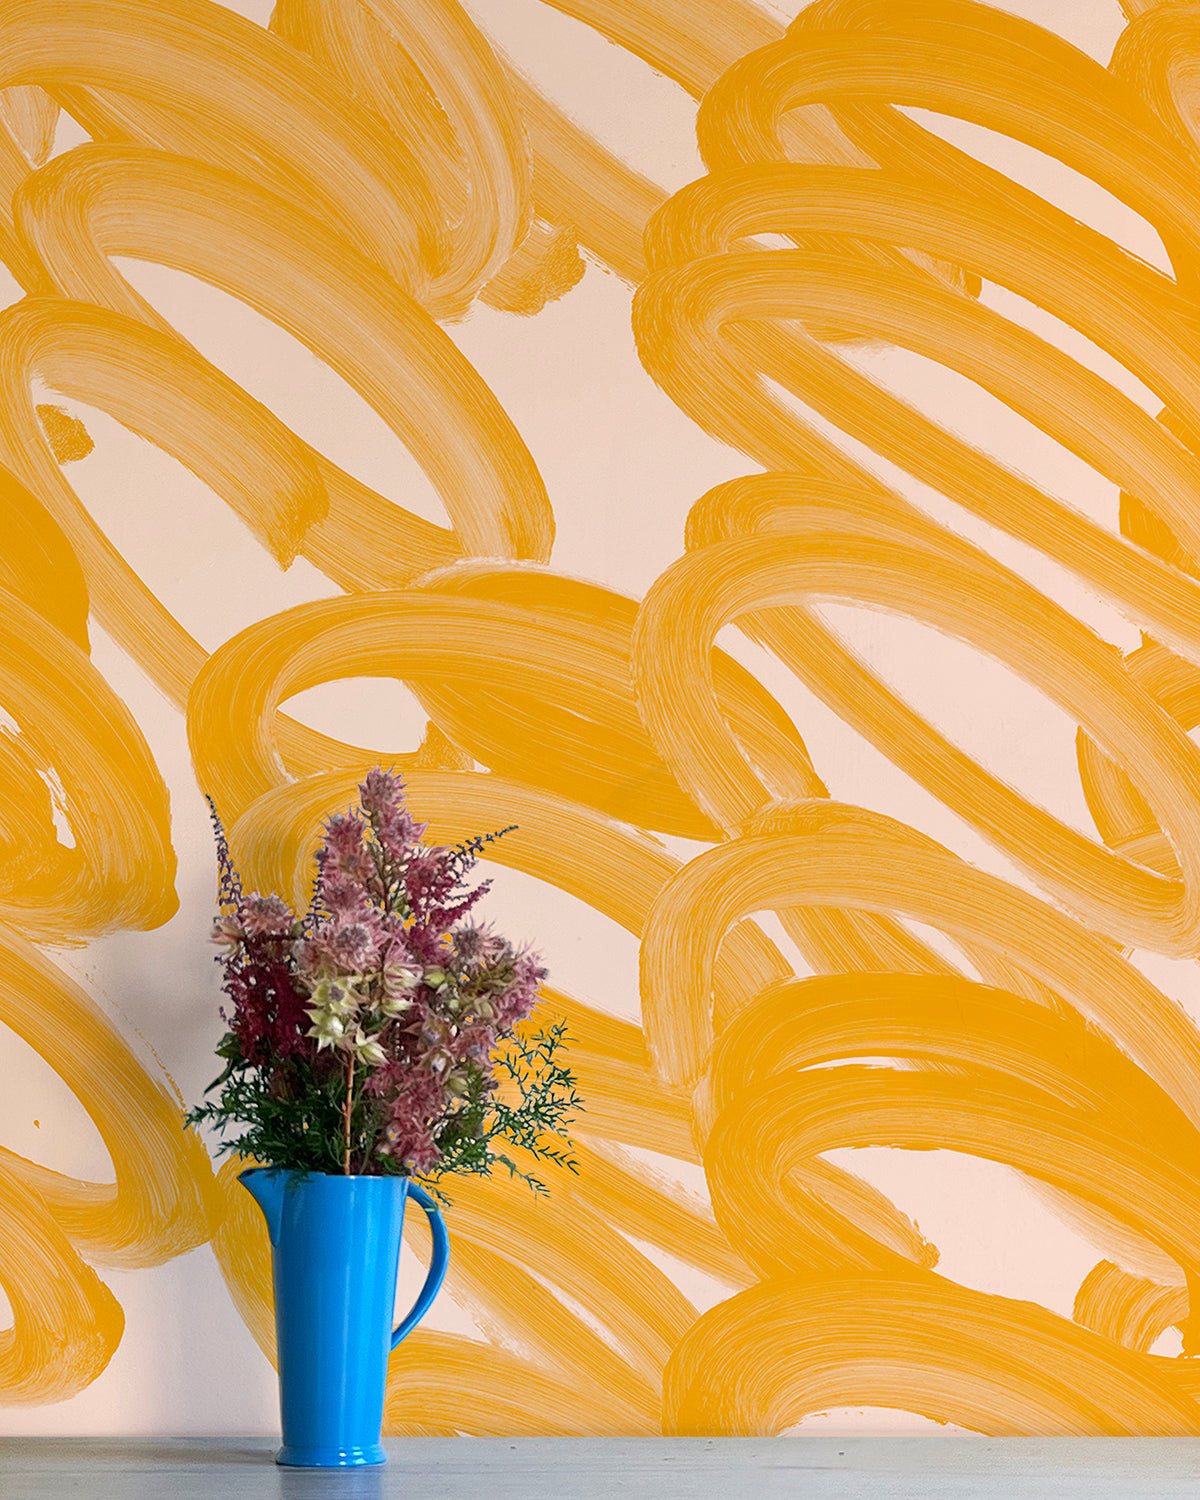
(814, 1468)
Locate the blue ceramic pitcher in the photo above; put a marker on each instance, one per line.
(335, 1245)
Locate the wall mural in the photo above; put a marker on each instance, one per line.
(933, 301)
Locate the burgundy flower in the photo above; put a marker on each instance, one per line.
(269, 1018)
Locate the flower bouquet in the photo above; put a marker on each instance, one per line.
(363, 1038)
(377, 1042)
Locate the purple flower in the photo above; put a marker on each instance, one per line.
(381, 794)
(345, 855)
(353, 946)
(518, 999)
(344, 898)
(266, 916)
(477, 946)
(435, 892)
(415, 1110)
(339, 948)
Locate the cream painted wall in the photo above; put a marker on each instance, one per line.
(622, 465)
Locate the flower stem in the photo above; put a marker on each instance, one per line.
(347, 1111)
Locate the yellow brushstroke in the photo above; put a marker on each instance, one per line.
(1132, 1310)
(578, 182)
(544, 267)
(68, 437)
(1153, 55)
(259, 101)
(574, 1249)
(27, 121)
(384, 344)
(157, 1206)
(376, 49)
(964, 1027)
(681, 310)
(100, 201)
(959, 58)
(738, 315)
(1084, 1151)
(793, 1346)
(832, 855)
(78, 735)
(565, 670)
(30, 116)
(198, 414)
(105, 358)
(1124, 820)
(1022, 1070)
(38, 564)
(850, 546)
(66, 1323)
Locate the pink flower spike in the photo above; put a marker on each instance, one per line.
(383, 801)
(382, 793)
(344, 899)
(343, 836)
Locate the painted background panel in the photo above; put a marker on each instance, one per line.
(751, 450)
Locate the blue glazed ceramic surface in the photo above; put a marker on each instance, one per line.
(336, 1248)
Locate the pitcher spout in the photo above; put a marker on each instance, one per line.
(266, 1186)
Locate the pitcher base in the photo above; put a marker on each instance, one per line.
(293, 1457)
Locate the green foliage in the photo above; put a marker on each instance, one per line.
(292, 1117)
(538, 1124)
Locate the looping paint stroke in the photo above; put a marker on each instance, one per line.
(362, 173)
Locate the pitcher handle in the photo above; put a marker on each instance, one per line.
(437, 1264)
